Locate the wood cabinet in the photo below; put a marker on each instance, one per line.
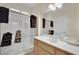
(59, 52)
(42, 51)
(42, 48)
(35, 47)
(46, 47)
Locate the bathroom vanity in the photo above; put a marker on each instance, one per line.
(44, 46)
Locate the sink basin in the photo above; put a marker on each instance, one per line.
(54, 38)
(72, 41)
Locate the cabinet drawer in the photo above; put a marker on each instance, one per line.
(59, 52)
(42, 51)
(47, 47)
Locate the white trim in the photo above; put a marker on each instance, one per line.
(18, 11)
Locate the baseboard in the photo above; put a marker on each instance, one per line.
(25, 51)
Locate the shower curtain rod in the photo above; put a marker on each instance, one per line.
(18, 11)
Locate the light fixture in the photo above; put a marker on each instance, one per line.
(59, 5)
(53, 6)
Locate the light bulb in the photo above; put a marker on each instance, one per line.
(59, 5)
(52, 7)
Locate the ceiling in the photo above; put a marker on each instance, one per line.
(40, 8)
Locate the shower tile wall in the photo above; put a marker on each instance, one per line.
(17, 22)
(12, 27)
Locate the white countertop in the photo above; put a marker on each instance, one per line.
(59, 44)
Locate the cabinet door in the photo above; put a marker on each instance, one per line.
(59, 52)
(35, 50)
(35, 46)
(42, 51)
(47, 47)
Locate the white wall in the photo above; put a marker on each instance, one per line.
(60, 25)
(35, 9)
(66, 20)
(77, 23)
(28, 39)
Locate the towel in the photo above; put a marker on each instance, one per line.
(4, 15)
(6, 39)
